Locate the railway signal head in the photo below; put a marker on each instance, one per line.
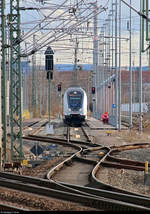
(49, 62)
(93, 90)
(59, 87)
(49, 75)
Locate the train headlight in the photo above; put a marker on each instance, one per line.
(69, 109)
(80, 109)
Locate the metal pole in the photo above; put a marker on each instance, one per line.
(101, 67)
(116, 70)
(33, 81)
(147, 14)
(109, 84)
(112, 55)
(140, 74)
(95, 56)
(49, 94)
(130, 77)
(105, 74)
(138, 12)
(102, 49)
(26, 87)
(143, 10)
(60, 94)
(88, 95)
(119, 83)
(75, 62)
(3, 85)
(49, 68)
(40, 88)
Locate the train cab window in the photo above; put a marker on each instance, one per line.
(75, 99)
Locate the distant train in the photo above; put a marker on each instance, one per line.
(75, 106)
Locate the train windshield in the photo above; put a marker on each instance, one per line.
(75, 100)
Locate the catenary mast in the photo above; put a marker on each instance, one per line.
(15, 82)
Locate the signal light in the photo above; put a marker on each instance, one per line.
(59, 87)
(49, 75)
(93, 90)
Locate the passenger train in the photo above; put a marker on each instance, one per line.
(75, 106)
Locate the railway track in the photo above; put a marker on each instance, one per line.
(33, 127)
(52, 189)
(4, 207)
(111, 161)
(83, 155)
(145, 121)
(123, 164)
(105, 198)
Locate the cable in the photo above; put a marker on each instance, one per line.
(29, 33)
(61, 23)
(62, 34)
(58, 18)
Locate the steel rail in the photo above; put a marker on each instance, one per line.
(107, 204)
(121, 196)
(115, 162)
(95, 202)
(83, 131)
(123, 163)
(5, 207)
(122, 166)
(70, 159)
(86, 134)
(129, 147)
(92, 192)
(58, 140)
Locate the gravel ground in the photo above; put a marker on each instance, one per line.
(41, 170)
(135, 154)
(128, 179)
(34, 202)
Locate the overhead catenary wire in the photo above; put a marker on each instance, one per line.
(46, 18)
(61, 35)
(30, 33)
(58, 17)
(57, 6)
(138, 12)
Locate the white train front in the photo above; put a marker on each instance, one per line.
(75, 105)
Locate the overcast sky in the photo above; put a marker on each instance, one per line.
(34, 15)
(29, 19)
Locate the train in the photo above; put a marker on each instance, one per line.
(75, 106)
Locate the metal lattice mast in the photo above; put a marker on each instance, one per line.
(15, 82)
(3, 80)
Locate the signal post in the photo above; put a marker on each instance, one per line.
(49, 65)
(59, 91)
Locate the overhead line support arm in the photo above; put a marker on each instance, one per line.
(138, 12)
